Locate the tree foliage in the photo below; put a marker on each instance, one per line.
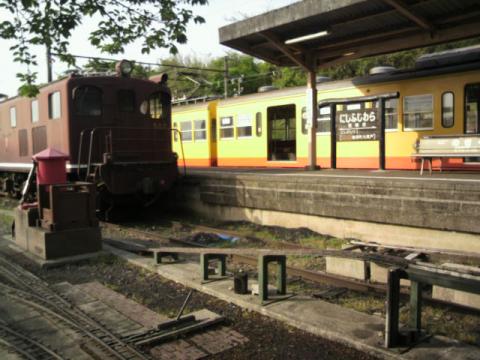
(247, 74)
(156, 23)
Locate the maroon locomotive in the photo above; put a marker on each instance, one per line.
(115, 129)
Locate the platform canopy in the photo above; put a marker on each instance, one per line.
(320, 33)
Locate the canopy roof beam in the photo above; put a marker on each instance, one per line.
(280, 45)
(403, 9)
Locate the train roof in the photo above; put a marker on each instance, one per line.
(398, 75)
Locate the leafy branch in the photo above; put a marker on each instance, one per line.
(50, 23)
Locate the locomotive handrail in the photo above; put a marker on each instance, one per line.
(80, 147)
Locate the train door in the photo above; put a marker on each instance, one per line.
(282, 143)
(472, 113)
(213, 142)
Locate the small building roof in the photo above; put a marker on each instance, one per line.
(336, 31)
(50, 154)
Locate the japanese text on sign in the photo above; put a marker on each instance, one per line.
(357, 123)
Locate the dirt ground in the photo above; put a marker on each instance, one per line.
(268, 339)
(166, 297)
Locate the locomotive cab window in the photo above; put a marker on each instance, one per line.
(54, 105)
(34, 110)
(244, 125)
(418, 112)
(13, 117)
(448, 107)
(155, 106)
(87, 101)
(126, 100)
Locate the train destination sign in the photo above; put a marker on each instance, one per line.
(355, 122)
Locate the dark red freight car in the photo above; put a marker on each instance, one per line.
(115, 129)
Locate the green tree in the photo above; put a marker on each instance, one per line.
(156, 23)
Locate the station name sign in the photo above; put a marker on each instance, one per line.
(357, 123)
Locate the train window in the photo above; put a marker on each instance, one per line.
(258, 123)
(13, 117)
(34, 110)
(126, 100)
(472, 108)
(23, 142)
(244, 125)
(175, 133)
(391, 114)
(200, 127)
(54, 105)
(418, 112)
(155, 103)
(226, 127)
(448, 107)
(87, 101)
(186, 129)
(323, 120)
(304, 121)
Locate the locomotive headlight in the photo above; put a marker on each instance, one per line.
(124, 68)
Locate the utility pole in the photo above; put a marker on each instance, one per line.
(225, 79)
(49, 64)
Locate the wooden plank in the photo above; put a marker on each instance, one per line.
(445, 278)
(249, 251)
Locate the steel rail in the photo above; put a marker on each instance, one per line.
(31, 348)
(105, 341)
(40, 296)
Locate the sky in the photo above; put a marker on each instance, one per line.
(202, 40)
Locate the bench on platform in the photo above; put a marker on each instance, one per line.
(448, 146)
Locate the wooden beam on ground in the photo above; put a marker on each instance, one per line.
(402, 8)
(446, 278)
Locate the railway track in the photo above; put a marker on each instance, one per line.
(29, 290)
(314, 276)
(24, 345)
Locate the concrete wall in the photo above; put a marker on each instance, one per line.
(409, 212)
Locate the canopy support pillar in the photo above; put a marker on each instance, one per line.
(312, 114)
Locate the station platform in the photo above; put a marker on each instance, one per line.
(406, 175)
(403, 208)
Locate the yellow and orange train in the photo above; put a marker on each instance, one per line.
(439, 96)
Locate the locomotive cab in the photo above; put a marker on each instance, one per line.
(124, 138)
